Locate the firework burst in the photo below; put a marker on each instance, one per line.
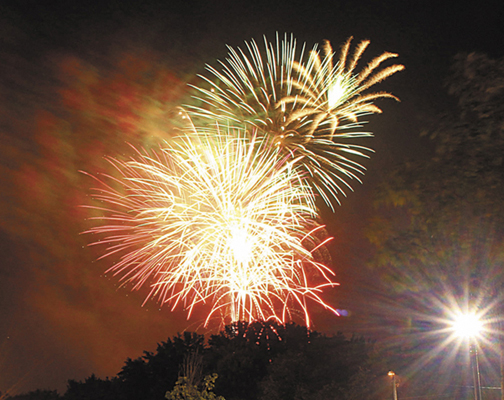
(225, 215)
(249, 87)
(219, 219)
(310, 110)
(329, 92)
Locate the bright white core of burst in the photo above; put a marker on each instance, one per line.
(467, 325)
(239, 242)
(335, 92)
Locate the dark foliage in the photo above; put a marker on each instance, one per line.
(151, 376)
(439, 223)
(36, 395)
(261, 360)
(242, 353)
(91, 388)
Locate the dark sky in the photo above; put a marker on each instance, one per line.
(60, 317)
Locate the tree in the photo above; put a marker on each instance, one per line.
(184, 390)
(240, 354)
(447, 212)
(150, 376)
(265, 360)
(473, 135)
(260, 360)
(328, 368)
(91, 388)
(36, 395)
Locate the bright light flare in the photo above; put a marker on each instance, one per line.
(467, 325)
(221, 220)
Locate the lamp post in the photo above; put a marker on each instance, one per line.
(501, 358)
(394, 384)
(469, 326)
(473, 352)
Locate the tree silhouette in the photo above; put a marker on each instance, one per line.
(440, 221)
(36, 395)
(91, 388)
(260, 360)
(328, 367)
(153, 374)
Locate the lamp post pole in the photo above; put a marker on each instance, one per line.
(501, 356)
(473, 352)
(394, 384)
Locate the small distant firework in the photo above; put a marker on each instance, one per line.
(310, 110)
(219, 219)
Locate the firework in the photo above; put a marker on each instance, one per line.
(220, 219)
(329, 92)
(248, 88)
(225, 215)
(309, 110)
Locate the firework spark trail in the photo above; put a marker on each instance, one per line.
(248, 88)
(330, 93)
(228, 217)
(219, 219)
(308, 109)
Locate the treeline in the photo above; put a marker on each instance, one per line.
(252, 361)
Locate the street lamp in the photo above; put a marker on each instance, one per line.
(469, 326)
(394, 383)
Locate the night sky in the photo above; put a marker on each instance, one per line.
(60, 317)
